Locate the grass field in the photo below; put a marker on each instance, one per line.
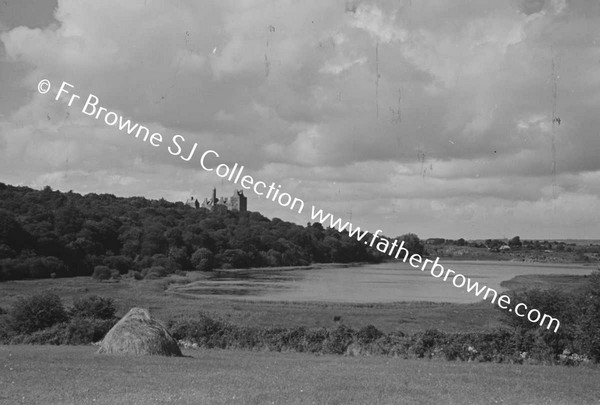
(76, 375)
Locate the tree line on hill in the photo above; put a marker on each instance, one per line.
(46, 233)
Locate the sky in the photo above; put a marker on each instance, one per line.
(464, 118)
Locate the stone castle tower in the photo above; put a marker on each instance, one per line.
(237, 202)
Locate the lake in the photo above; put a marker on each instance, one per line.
(386, 282)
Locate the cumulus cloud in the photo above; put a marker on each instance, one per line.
(371, 19)
(431, 117)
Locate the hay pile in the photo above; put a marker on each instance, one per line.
(138, 334)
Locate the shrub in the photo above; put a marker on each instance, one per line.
(6, 329)
(198, 330)
(78, 331)
(154, 272)
(498, 345)
(37, 312)
(93, 306)
(81, 331)
(314, 340)
(579, 315)
(288, 339)
(136, 275)
(53, 335)
(101, 273)
(589, 324)
(553, 302)
(425, 344)
(368, 334)
(338, 340)
(454, 351)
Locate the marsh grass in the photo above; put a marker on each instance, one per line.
(155, 295)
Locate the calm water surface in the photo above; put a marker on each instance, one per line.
(387, 282)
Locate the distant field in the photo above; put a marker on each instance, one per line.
(578, 242)
(153, 294)
(75, 375)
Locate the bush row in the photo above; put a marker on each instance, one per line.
(500, 345)
(77, 331)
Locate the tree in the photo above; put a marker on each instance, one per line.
(180, 257)
(121, 263)
(43, 267)
(12, 233)
(68, 220)
(6, 252)
(203, 259)
(233, 258)
(412, 243)
(515, 242)
(334, 247)
(131, 237)
(165, 262)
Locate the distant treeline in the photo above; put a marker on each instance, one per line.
(54, 234)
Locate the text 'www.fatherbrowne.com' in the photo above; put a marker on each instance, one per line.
(398, 251)
(177, 147)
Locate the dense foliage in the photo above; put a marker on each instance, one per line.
(43, 319)
(578, 313)
(37, 312)
(93, 306)
(53, 234)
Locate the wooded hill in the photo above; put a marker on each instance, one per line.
(55, 234)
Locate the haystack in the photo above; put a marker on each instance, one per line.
(138, 334)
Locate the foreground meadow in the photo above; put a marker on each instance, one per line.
(76, 375)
